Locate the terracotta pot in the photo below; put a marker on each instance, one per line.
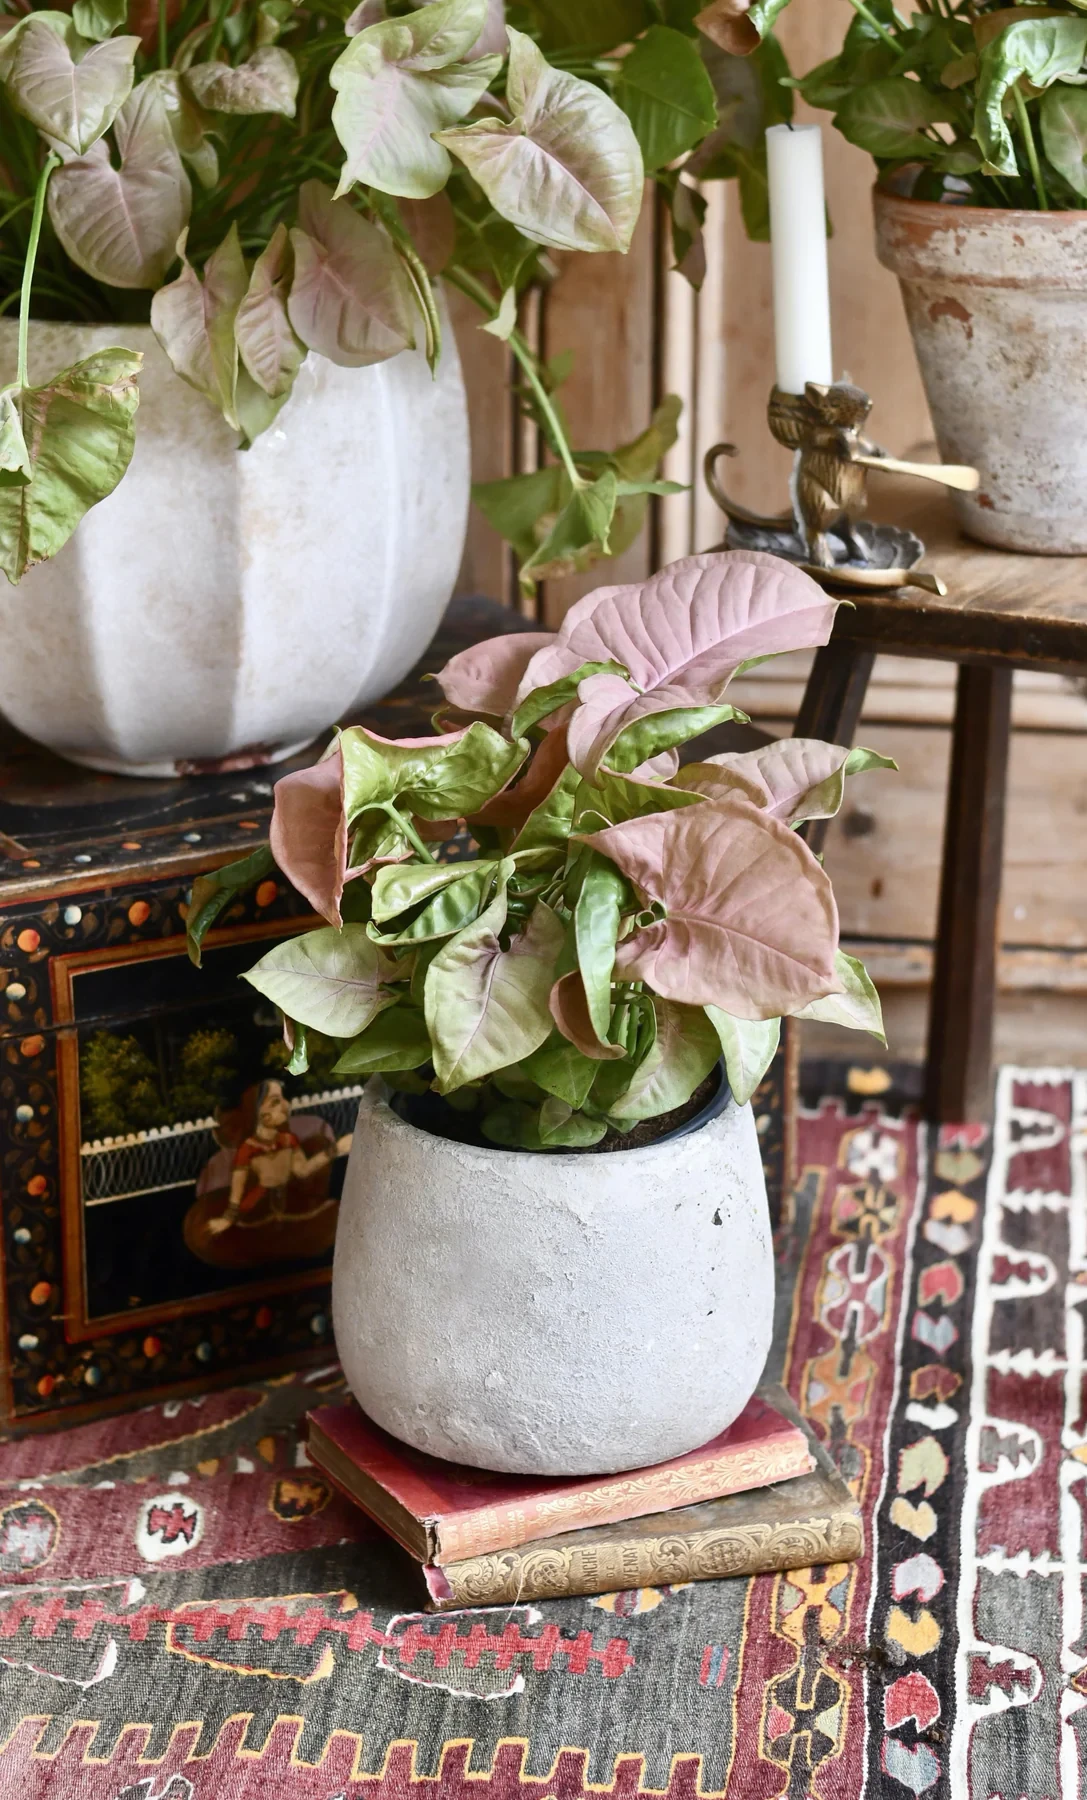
(997, 304)
(221, 608)
(549, 1313)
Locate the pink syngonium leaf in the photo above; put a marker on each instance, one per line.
(681, 636)
(485, 677)
(570, 1011)
(308, 837)
(794, 779)
(751, 925)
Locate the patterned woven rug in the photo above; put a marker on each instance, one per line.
(186, 1613)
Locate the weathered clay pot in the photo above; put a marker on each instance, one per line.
(553, 1314)
(997, 304)
(222, 607)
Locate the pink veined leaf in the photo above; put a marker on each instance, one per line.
(751, 925)
(266, 343)
(794, 778)
(485, 677)
(681, 636)
(308, 837)
(350, 299)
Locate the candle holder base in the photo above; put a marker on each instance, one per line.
(822, 533)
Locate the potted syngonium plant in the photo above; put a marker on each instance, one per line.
(553, 1252)
(976, 114)
(233, 215)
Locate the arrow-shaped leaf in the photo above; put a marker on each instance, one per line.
(70, 91)
(193, 320)
(267, 82)
(350, 298)
(486, 1007)
(329, 980)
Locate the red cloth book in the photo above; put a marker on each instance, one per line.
(441, 1512)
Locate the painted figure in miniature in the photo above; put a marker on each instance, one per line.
(277, 1205)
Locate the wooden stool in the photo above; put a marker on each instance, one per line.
(1002, 611)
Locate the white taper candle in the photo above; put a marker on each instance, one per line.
(798, 242)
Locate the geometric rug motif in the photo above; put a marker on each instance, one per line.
(187, 1613)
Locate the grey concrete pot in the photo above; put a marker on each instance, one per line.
(997, 304)
(553, 1314)
(222, 607)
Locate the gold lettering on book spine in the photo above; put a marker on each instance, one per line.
(549, 1571)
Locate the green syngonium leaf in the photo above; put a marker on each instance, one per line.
(542, 702)
(748, 1047)
(598, 910)
(561, 1070)
(397, 1039)
(214, 892)
(15, 468)
(684, 1051)
(487, 1007)
(397, 84)
(350, 298)
(888, 117)
(451, 903)
(329, 980)
(1043, 50)
(121, 224)
(581, 528)
(1064, 133)
(193, 320)
(614, 799)
(552, 1126)
(70, 89)
(190, 125)
(663, 88)
(856, 1006)
(98, 19)
(267, 344)
(565, 169)
(78, 429)
(444, 777)
(267, 82)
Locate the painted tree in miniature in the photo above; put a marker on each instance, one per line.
(624, 921)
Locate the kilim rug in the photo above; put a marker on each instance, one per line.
(187, 1613)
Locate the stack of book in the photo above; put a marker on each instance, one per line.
(764, 1495)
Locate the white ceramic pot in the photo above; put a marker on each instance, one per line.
(997, 305)
(222, 607)
(553, 1314)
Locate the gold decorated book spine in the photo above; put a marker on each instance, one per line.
(605, 1563)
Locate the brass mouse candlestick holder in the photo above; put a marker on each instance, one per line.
(824, 426)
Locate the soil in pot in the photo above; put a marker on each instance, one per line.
(432, 1113)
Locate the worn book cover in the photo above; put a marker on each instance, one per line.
(813, 1518)
(443, 1513)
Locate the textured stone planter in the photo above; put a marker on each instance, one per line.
(553, 1314)
(997, 304)
(223, 607)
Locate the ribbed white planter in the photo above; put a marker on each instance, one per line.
(223, 607)
(997, 305)
(553, 1314)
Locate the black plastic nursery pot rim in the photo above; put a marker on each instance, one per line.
(433, 1115)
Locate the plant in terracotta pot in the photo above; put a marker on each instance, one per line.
(232, 215)
(553, 1252)
(976, 114)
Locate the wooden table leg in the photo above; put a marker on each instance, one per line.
(960, 1040)
(831, 708)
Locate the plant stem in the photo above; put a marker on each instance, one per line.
(405, 825)
(218, 29)
(51, 162)
(164, 54)
(476, 291)
(1032, 150)
(876, 24)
